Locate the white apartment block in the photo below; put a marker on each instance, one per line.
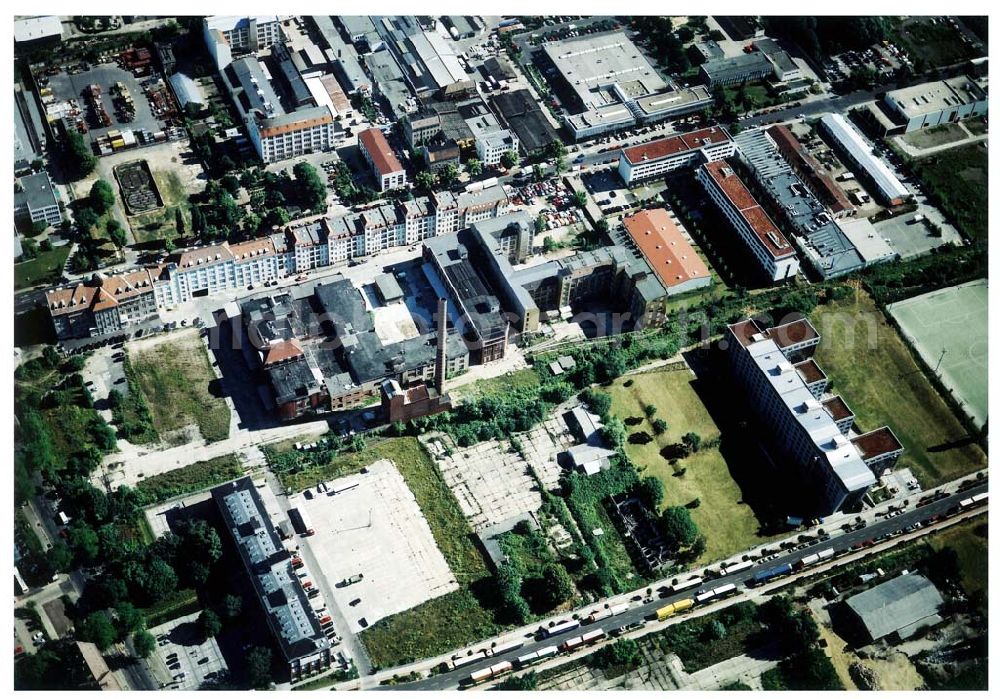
(290, 135)
(656, 158)
(225, 34)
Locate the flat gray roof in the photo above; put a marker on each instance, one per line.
(37, 192)
(897, 604)
(851, 141)
(589, 64)
(825, 244)
(930, 97)
(251, 88)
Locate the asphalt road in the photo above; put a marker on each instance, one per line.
(839, 541)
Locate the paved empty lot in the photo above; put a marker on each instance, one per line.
(491, 480)
(179, 642)
(370, 523)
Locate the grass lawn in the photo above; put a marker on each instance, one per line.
(876, 374)
(45, 268)
(957, 180)
(729, 525)
(161, 224)
(175, 377)
(935, 136)
(971, 546)
(436, 626)
(498, 385)
(192, 478)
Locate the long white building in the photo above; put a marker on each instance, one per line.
(106, 305)
(657, 158)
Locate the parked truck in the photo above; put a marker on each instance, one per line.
(301, 523)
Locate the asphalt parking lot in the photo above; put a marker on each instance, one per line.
(183, 660)
(65, 86)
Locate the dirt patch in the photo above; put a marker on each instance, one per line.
(895, 673)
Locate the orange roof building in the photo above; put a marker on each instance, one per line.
(389, 172)
(671, 257)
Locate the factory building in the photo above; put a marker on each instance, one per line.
(937, 102)
(279, 592)
(660, 242)
(375, 149)
(852, 146)
(228, 35)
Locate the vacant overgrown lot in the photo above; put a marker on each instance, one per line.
(729, 525)
(956, 179)
(192, 478)
(175, 375)
(446, 622)
(875, 373)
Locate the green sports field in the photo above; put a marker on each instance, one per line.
(952, 321)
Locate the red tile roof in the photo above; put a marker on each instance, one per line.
(379, 151)
(739, 196)
(876, 443)
(654, 150)
(282, 351)
(837, 408)
(666, 250)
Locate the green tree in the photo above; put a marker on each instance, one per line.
(557, 585)
(258, 664)
(60, 557)
(117, 233)
(144, 643)
(231, 184)
(102, 197)
(425, 180)
(692, 440)
(474, 167)
(650, 411)
(448, 175)
(29, 249)
(714, 631)
(311, 186)
(580, 198)
(209, 624)
(527, 682)
(129, 619)
(509, 159)
(598, 401)
(678, 529)
(79, 156)
(650, 492)
(232, 605)
(98, 629)
(659, 425)
(83, 541)
(623, 653)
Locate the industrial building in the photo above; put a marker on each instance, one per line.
(292, 620)
(492, 140)
(388, 171)
(774, 255)
(389, 83)
(614, 86)
(937, 102)
(342, 56)
(35, 199)
(811, 172)
(656, 158)
(660, 242)
(522, 114)
(808, 436)
(767, 60)
(899, 607)
(796, 209)
(276, 134)
(852, 146)
(29, 131)
(37, 32)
